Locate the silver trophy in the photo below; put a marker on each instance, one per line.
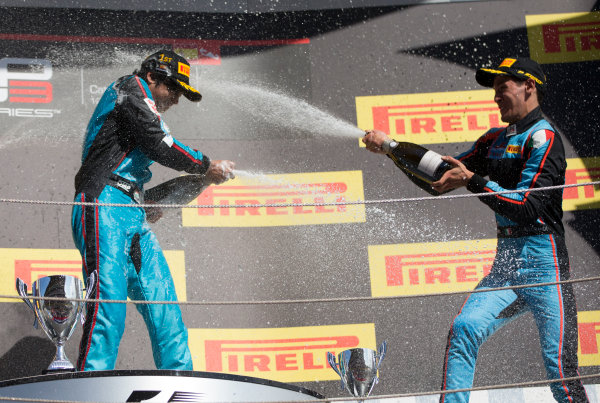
(57, 318)
(358, 368)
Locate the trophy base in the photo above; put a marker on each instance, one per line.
(155, 385)
(57, 370)
(59, 365)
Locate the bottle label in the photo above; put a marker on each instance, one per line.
(430, 162)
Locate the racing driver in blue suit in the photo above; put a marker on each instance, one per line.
(527, 154)
(125, 135)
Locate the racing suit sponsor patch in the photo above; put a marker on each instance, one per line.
(511, 130)
(152, 106)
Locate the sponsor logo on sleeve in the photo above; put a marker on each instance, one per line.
(564, 38)
(275, 190)
(31, 264)
(295, 354)
(429, 268)
(582, 170)
(442, 117)
(589, 338)
(152, 106)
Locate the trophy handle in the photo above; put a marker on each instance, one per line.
(22, 290)
(334, 366)
(381, 353)
(91, 283)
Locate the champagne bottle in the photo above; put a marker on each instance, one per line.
(422, 166)
(180, 190)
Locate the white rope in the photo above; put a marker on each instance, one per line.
(304, 301)
(344, 203)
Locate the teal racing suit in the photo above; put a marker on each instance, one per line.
(125, 135)
(531, 249)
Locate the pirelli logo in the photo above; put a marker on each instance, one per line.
(589, 338)
(429, 268)
(438, 117)
(582, 170)
(564, 38)
(31, 264)
(513, 149)
(183, 68)
(274, 191)
(296, 354)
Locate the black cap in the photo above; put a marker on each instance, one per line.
(176, 68)
(519, 67)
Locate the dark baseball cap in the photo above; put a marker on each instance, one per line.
(176, 68)
(518, 67)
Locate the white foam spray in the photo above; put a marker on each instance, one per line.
(280, 109)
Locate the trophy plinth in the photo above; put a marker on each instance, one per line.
(57, 317)
(358, 369)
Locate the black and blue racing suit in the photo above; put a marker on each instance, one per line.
(531, 249)
(125, 135)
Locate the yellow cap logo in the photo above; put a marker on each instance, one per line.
(183, 68)
(507, 62)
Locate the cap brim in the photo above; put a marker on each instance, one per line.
(486, 77)
(189, 92)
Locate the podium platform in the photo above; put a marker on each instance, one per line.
(151, 386)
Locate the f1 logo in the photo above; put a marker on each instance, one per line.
(25, 80)
(149, 395)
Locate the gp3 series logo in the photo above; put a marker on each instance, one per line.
(25, 81)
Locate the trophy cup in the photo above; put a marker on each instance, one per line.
(57, 318)
(358, 368)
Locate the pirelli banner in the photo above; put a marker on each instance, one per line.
(31, 264)
(293, 354)
(429, 268)
(564, 38)
(286, 199)
(444, 117)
